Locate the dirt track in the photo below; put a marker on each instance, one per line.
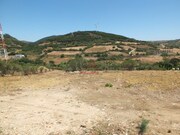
(72, 103)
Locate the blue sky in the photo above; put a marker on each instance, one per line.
(141, 19)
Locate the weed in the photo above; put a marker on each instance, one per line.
(108, 85)
(143, 126)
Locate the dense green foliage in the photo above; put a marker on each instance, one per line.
(169, 64)
(22, 66)
(79, 63)
(11, 41)
(76, 64)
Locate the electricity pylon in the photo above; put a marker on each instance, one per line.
(3, 43)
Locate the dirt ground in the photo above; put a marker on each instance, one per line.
(61, 103)
(59, 53)
(101, 48)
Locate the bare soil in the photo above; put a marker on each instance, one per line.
(60, 103)
(150, 59)
(58, 53)
(74, 48)
(96, 49)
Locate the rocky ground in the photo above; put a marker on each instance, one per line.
(60, 103)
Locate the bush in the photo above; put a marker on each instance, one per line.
(108, 85)
(129, 64)
(22, 66)
(76, 64)
(108, 65)
(143, 126)
(62, 56)
(164, 54)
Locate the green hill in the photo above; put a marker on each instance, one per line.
(173, 43)
(80, 38)
(11, 41)
(84, 37)
(91, 45)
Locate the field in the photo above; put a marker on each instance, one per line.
(81, 103)
(96, 49)
(150, 59)
(59, 53)
(77, 48)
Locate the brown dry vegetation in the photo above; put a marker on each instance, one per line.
(59, 103)
(141, 46)
(150, 59)
(74, 48)
(96, 49)
(115, 53)
(58, 53)
(125, 47)
(56, 59)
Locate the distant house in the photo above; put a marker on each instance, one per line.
(19, 56)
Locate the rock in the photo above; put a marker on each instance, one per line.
(169, 131)
(82, 126)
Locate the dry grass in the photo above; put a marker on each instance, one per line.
(59, 53)
(73, 97)
(74, 48)
(56, 59)
(96, 49)
(125, 47)
(150, 59)
(116, 53)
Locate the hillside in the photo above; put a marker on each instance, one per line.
(13, 45)
(12, 41)
(84, 37)
(171, 43)
(92, 45)
(82, 42)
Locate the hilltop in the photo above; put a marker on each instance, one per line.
(84, 37)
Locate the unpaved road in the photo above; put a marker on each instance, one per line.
(59, 103)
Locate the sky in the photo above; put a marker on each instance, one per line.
(32, 20)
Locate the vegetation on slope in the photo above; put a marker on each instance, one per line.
(85, 37)
(117, 58)
(11, 41)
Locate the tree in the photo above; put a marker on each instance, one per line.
(76, 64)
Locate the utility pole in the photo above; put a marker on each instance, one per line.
(3, 43)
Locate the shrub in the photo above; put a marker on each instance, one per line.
(23, 66)
(76, 64)
(62, 56)
(108, 85)
(41, 69)
(108, 65)
(143, 126)
(26, 70)
(129, 64)
(164, 54)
